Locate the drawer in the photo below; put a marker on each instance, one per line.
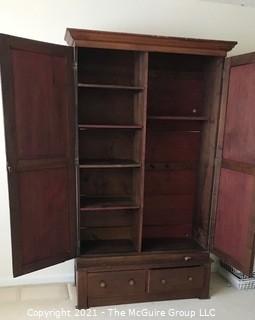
(145, 260)
(118, 283)
(166, 280)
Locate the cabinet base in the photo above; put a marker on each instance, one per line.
(141, 278)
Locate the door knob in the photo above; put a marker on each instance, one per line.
(187, 258)
(102, 284)
(131, 282)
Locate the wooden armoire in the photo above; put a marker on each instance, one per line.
(134, 154)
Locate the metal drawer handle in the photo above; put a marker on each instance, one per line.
(102, 284)
(187, 258)
(163, 281)
(131, 282)
(190, 278)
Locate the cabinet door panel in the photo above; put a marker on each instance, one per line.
(234, 227)
(38, 101)
(240, 118)
(233, 232)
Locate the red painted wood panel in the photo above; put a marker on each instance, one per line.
(38, 82)
(39, 112)
(174, 146)
(234, 224)
(177, 182)
(234, 236)
(172, 158)
(44, 206)
(240, 118)
(169, 212)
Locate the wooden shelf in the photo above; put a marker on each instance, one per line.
(165, 244)
(109, 163)
(106, 203)
(107, 246)
(105, 126)
(191, 118)
(109, 86)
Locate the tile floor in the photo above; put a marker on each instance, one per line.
(57, 301)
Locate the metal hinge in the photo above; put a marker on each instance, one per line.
(75, 65)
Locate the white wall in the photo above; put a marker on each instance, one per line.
(47, 19)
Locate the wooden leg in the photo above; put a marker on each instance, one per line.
(205, 294)
(81, 289)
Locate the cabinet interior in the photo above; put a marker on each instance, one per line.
(143, 123)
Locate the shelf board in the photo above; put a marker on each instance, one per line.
(109, 163)
(109, 86)
(107, 246)
(168, 244)
(191, 118)
(107, 126)
(107, 203)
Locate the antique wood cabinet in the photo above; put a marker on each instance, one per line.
(135, 155)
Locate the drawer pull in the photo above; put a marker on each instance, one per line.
(190, 278)
(163, 281)
(102, 284)
(187, 258)
(131, 282)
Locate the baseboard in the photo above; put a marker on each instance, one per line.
(33, 280)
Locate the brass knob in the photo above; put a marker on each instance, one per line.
(131, 282)
(190, 278)
(187, 258)
(102, 284)
(163, 281)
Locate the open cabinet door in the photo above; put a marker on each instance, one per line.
(234, 224)
(39, 114)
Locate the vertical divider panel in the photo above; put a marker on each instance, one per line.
(77, 169)
(219, 149)
(140, 114)
(208, 150)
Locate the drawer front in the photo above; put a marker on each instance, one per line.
(119, 283)
(146, 260)
(165, 280)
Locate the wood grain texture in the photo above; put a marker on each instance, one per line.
(165, 280)
(234, 229)
(139, 277)
(235, 169)
(143, 187)
(212, 98)
(39, 124)
(127, 41)
(218, 151)
(169, 76)
(103, 284)
(106, 67)
(240, 118)
(166, 259)
(82, 288)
